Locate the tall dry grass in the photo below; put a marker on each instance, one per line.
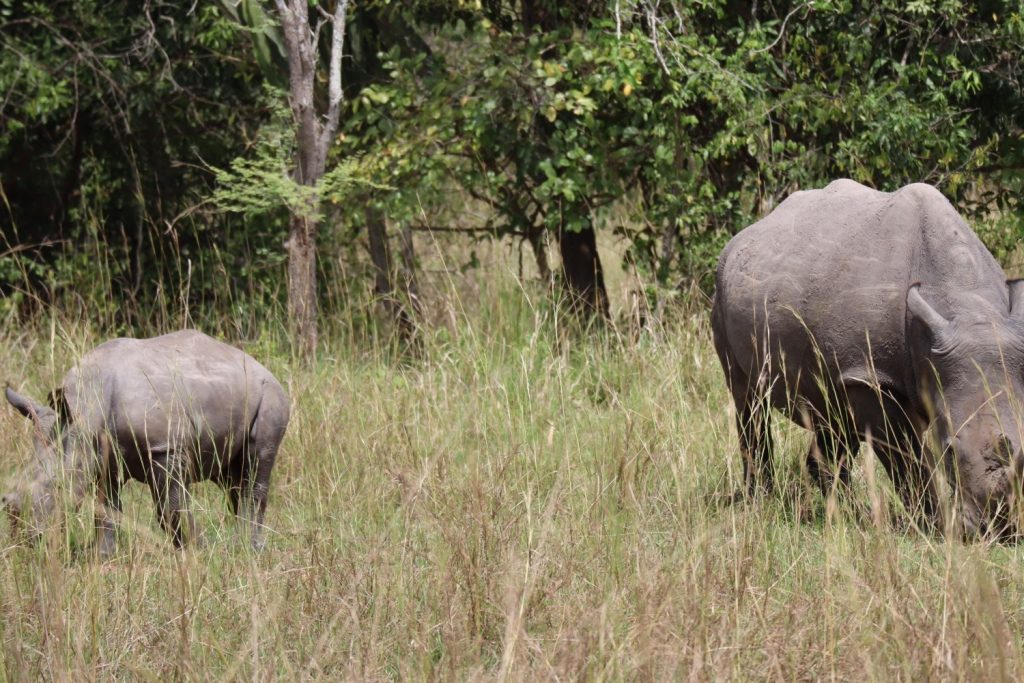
(518, 504)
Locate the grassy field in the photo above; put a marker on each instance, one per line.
(519, 504)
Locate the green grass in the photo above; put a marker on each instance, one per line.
(521, 503)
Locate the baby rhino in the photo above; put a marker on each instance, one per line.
(166, 411)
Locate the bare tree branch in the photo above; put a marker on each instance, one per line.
(652, 20)
(335, 93)
(782, 29)
(504, 229)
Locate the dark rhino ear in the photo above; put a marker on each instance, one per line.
(921, 310)
(59, 405)
(1016, 290)
(37, 412)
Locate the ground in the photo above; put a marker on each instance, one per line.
(521, 503)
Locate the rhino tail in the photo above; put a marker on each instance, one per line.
(1015, 289)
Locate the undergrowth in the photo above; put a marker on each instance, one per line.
(520, 502)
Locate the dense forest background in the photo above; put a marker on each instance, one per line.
(153, 152)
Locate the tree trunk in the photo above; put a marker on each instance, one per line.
(581, 268)
(410, 288)
(380, 255)
(669, 237)
(409, 285)
(313, 137)
(302, 289)
(396, 313)
(535, 236)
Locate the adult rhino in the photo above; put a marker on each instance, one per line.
(166, 411)
(856, 313)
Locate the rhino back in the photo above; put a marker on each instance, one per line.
(827, 273)
(163, 392)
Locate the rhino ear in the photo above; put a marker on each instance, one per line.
(1016, 290)
(37, 412)
(922, 311)
(59, 405)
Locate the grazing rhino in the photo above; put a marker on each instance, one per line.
(860, 314)
(167, 411)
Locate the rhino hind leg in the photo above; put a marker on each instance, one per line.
(250, 489)
(753, 411)
(170, 493)
(753, 424)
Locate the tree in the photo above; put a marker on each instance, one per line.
(530, 153)
(709, 114)
(254, 185)
(536, 120)
(313, 138)
(109, 113)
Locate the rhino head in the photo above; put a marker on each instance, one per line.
(31, 502)
(971, 371)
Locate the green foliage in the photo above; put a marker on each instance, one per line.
(672, 124)
(267, 44)
(111, 114)
(261, 182)
(710, 113)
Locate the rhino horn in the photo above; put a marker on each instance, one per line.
(37, 412)
(1016, 291)
(923, 311)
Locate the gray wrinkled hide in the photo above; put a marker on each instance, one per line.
(816, 314)
(166, 411)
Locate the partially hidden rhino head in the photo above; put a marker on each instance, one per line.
(31, 501)
(971, 371)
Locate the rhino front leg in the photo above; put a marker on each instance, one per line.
(906, 459)
(108, 513)
(828, 458)
(902, 452)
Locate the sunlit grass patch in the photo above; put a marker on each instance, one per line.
(518, 503)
